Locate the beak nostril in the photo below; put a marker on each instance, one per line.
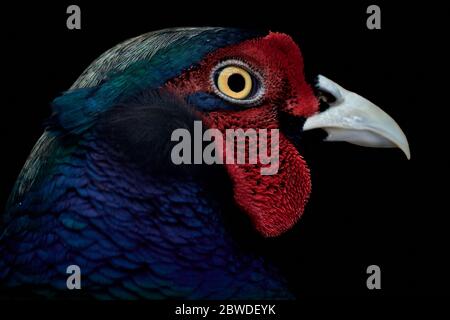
(324, 96)
(325, 99)
(328, 92)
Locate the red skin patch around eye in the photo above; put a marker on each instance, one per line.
(273, 202)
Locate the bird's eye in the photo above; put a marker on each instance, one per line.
(236, 82)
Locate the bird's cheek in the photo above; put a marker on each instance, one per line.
(274, 201)
(273, 188)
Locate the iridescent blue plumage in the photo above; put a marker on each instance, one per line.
(135, 233)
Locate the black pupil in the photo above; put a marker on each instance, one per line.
(236, 82)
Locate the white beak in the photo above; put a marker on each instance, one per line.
(355, 119)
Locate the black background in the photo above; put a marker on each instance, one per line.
(368, 206)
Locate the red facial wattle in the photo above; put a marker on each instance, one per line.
(273, 202)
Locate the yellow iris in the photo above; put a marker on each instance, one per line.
(235, 82)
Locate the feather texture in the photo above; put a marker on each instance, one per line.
(94, 193)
